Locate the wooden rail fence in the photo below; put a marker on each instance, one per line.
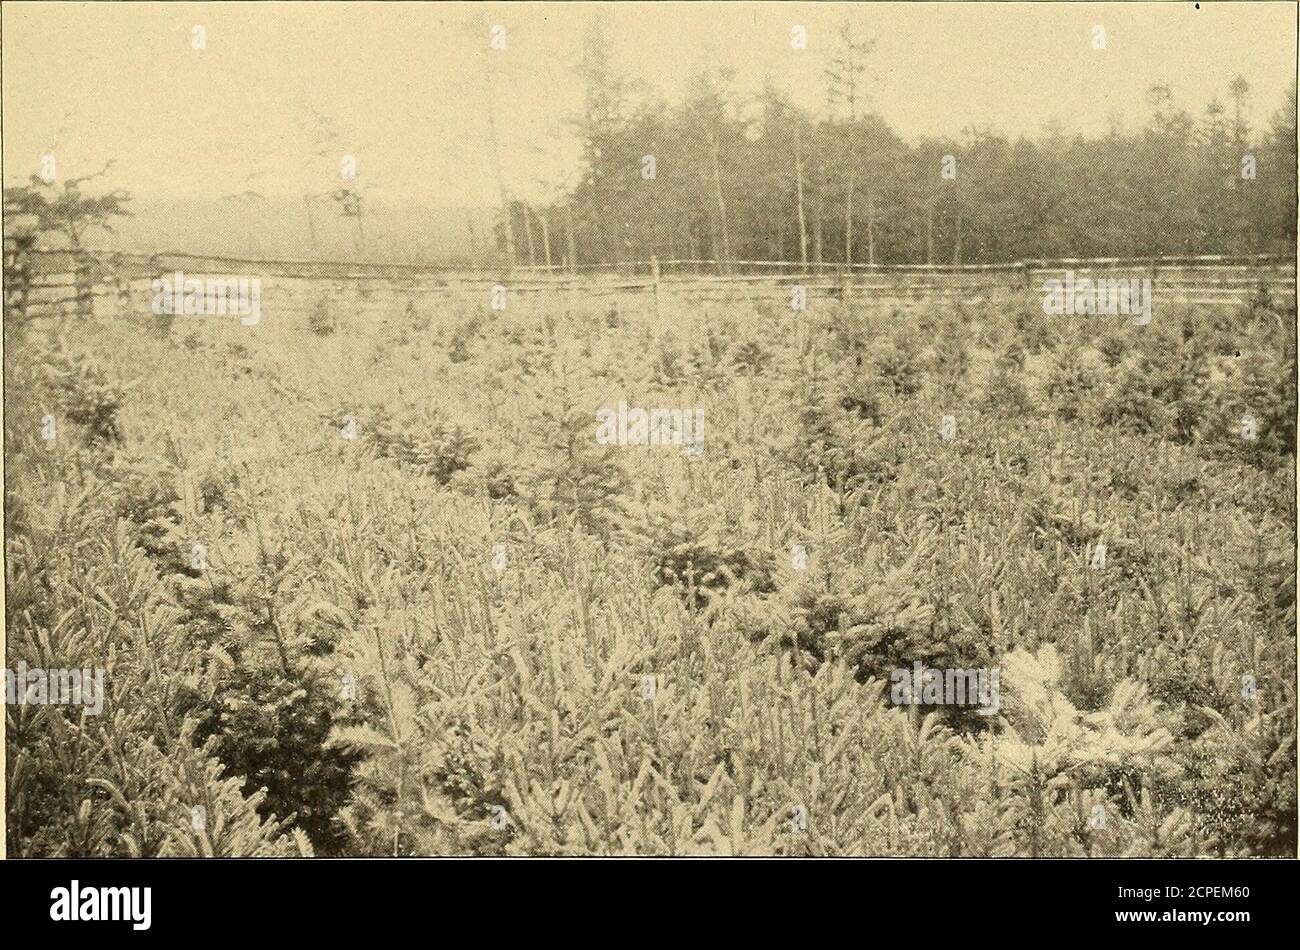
(44, 283)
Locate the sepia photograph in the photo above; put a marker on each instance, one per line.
(649, 429)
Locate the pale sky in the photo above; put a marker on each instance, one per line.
(403, 83)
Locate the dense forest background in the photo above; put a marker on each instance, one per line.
(758, 178)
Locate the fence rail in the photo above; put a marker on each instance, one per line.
(53, 282)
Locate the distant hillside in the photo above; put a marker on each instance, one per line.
(280, 228)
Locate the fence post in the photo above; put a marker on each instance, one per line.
(85, 282)
(17, 273)
(123, 285)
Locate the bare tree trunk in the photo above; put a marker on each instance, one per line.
(528, 229)
(798, 177)
(848, 214)
(871, 227)
(817, 231)
(573, 242)
(546, 239)
(496, 165)
(722, 204)
(929, 232)
(853, 187)
(956, 254)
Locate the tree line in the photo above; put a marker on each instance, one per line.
(728, 177)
